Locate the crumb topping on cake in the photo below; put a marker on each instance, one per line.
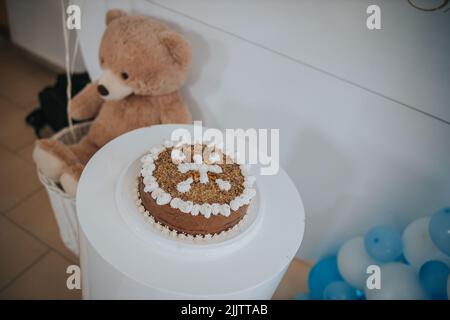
(216, 185)
(169, 176)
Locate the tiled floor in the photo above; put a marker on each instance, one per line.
(33, 259)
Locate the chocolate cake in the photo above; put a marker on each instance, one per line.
(194, 189)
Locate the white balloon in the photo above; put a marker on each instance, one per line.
(398, 282)
(353, 261)
(418, 247)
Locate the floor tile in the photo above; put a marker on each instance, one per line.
(44, 280)
(36, 215)
(294, 281)
(18, 250)
(13, 60)
(21, 78)
(14, 132)
(26, 153)
(18, 179)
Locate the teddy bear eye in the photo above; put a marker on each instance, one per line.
(102, 60)
(124, 75)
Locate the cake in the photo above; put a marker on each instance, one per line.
(194, 189)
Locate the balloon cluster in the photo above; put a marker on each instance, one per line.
(385, 264)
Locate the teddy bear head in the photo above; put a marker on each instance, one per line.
(142, 56)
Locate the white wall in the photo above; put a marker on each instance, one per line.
(406, 61)
(363, 114)
(37, 27)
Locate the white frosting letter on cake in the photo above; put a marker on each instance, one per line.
(202, 168)
(214, 157)
(223, 184)
(185, 186)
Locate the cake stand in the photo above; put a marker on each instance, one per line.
(123, 257)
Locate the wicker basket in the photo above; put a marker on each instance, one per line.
(64, 205)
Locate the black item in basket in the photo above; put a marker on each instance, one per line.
(53, 103)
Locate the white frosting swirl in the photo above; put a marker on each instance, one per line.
(249, 181)
(215, 209)
(225, 210)
(147, 159)
(245, 168)
(151, 187)
(195, 209)
(174, 203)
(244, 199)
(206, 210)
(155, 151)
(149, 179)
(235, 204)
(185, 206)
(250, 192)
(163, 199)
(157, 192)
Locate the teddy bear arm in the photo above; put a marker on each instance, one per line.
(86, 104)
(176, 113)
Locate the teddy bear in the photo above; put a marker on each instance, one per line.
(144, 63)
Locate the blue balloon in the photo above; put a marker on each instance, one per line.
(321, 275)
(440, 230)
(360, 295)
(339, 290)
(402, 259)
(383, 244)
(301, 296)
(433, 276)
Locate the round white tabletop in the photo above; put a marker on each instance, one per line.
(118, 233)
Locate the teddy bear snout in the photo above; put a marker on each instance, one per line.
(102, 90)
(111, 87)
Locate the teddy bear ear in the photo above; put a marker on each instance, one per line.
(114, 14)
(178, 47)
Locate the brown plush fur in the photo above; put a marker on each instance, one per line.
(156, 61)
(155, 58)
(87, 103)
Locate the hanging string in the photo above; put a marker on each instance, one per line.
(69, 67)
(75, 51)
